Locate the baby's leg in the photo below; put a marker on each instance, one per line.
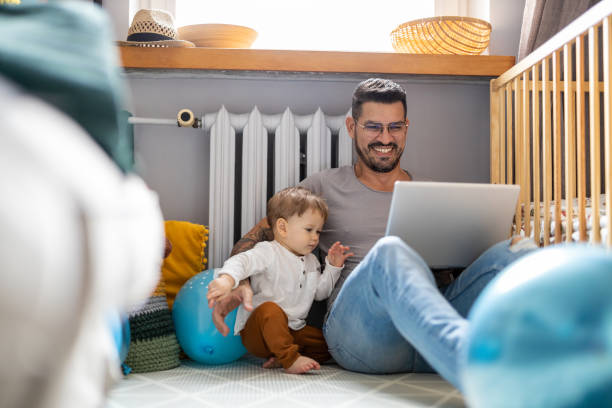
(267, 334)
(272, 362)
(312, 343)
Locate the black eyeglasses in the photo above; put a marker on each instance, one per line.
(374, 129)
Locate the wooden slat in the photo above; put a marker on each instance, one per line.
(607, 50)
(495, 111)
(503, 135)
(572, 85)
(518, 139)
(557, 143)
(525, 154)
(594, 131)
(591, 18)
(546, 149)
(581, 144)
(313, 61)
(509, 135)
(535, 106)
(570, 141)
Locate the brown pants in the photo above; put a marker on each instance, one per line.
(267, 334)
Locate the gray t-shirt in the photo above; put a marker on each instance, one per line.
(357, 215)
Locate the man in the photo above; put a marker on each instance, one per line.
(386, 313)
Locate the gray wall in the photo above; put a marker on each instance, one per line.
(448, 138)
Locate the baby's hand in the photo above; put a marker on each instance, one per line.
(337, 254)
(219, 287)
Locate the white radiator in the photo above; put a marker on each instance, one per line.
(286, 131)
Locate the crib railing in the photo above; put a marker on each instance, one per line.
(550, 133)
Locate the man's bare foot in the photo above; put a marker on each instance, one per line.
(271, 363)
(302, 365)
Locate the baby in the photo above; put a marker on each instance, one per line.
(285, 277)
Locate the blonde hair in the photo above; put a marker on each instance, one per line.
(294, 201)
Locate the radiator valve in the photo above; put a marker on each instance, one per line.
(186, 118)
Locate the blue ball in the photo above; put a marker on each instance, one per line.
(194, 327)
(541, 332)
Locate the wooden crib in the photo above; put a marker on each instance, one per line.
(551, 134)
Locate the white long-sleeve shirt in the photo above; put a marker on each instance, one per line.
(279, 276)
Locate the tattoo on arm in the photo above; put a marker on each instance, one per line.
(260, 232)
(244, 244)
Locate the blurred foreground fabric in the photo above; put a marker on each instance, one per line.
(79, 239)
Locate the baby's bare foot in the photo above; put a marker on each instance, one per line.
(271, 363)
(302, 365)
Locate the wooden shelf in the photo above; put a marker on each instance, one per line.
(313, 61)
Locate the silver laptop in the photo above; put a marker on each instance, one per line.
(451, 224)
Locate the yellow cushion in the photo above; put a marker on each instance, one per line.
(187, 257)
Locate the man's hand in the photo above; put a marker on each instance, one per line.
(219, 287)
(337, 254)
(243, 294)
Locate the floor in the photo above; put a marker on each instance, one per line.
(245, 384)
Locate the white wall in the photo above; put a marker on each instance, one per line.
(506, 18)
(119, 12)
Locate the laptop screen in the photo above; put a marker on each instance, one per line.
(451, 224)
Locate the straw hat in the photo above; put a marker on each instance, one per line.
(153, 28)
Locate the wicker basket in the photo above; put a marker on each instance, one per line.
(218, 35)
(442, 35)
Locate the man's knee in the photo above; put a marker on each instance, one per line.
(399, 259)
(393, 249)
(389, 245)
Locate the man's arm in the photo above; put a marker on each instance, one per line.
(260, 232)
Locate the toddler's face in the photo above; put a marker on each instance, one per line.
(303, 232)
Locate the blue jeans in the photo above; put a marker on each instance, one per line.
(389, 307)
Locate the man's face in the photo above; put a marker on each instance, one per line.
(380, 151)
